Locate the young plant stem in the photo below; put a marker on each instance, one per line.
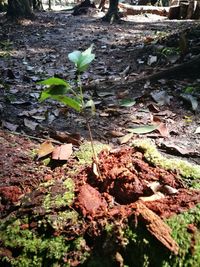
(92, 145)
(80, 88)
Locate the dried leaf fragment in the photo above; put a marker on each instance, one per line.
(45, 149)
(124, 139)
(62, 152)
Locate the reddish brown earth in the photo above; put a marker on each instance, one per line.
(124, 178)
(120, 187)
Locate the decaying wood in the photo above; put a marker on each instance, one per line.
(160, 230)
(183, 9)
(135, 10)
(186, 69)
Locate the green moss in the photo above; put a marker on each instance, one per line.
(85, 152)
(37, 250)
(189, 253)
(186, 169)
(61, 219)
(60, 194)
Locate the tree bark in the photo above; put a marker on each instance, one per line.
(19, 9)
(83, 7)
(37, 5)
(113, 13)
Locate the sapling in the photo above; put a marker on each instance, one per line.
(72, 96)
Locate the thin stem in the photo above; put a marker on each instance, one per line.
(92, 145)
(80, 88)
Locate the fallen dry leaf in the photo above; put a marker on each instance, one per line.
(30, 124)
(66, 137)
(62, 152)
(45, 149)
(124, 139)
(176, 150)
(10, 126)
(163, 130)
(197, 131)
(116, 133)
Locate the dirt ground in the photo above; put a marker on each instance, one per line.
(135, 61)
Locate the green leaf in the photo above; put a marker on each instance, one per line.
(82, 59)
(189, 90)
(68, 101)
(52, 91)
(128, 102)
(54, 81)
(74, 56)
(90, 104)
(143, 129)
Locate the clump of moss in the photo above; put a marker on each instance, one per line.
(85, 153)
(61, 219)
(60, 194)
(186, 169)
(189, 242)
(28, 247)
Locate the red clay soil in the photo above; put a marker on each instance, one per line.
(124, 177)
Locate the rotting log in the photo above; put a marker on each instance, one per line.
(184, 9)
(136, 10)
(157, 227)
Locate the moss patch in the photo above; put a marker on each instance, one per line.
(85, 153)
(60, 194)
(186, 169)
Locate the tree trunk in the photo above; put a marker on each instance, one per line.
(49, 2)
(112, 14)
(19, 9)
(83, 7)
(37, 5)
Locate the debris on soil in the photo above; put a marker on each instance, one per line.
(140, 205)
(71, 205)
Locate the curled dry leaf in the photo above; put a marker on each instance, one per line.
(66, 137)
(10, 126)
(169, 190)
(95, 169)
(124, 139)
(30, 124)
(45, 149)
(163, 130)
(197, 131)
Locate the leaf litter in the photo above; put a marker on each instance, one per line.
(124, 186)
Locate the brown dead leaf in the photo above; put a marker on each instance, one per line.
(163, 130)
(45, 149)
(116, 133)
(66, 137)
(153, 108)
(177, 150)
(62, 152)
(124, 139)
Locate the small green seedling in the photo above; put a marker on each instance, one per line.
(63, 92)
(58, 89)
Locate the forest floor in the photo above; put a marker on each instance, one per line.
(145, 82)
